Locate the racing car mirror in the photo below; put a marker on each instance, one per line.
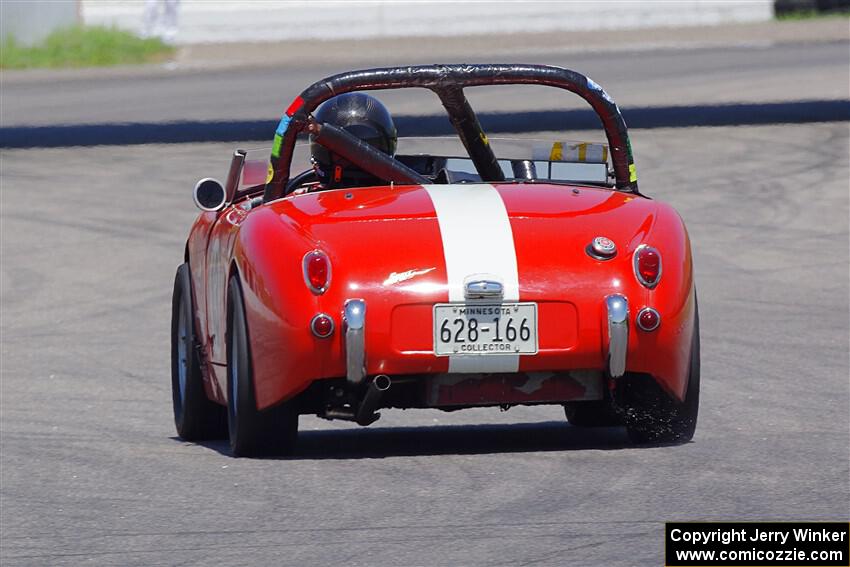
(209, 194)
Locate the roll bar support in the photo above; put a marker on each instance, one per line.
(470, 133)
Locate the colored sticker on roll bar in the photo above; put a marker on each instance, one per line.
(632, 173)
(295, 106)
(278, 136)
(278, 140)
(283, 125)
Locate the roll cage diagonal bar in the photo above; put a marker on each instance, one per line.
(446, 81)
(470, 133)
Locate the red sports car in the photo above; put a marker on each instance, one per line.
(451, 281)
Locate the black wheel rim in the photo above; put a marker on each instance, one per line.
(183, 338)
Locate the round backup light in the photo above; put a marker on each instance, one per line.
(647, 266)
(317, 271)
(602, 248)
(648, 319)
(322, 326)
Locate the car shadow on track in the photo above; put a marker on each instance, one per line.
(381, 442)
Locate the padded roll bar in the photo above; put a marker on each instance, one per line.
(363, 155)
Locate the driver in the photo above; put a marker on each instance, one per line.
(363, 116)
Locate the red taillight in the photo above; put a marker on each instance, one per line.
(648, 319)
(317, 271)
(322, 326)
(648, 266)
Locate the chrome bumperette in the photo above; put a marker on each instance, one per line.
(618, 334)
(353, 326)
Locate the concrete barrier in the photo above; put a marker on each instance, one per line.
(258, 20)
(30, 21)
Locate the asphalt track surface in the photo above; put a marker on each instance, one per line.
(92, 472)
(717, 86)
(635, 79)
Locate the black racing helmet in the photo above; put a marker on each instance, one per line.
(363, 116)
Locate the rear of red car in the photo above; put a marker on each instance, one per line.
(443, 282)
(413, 266)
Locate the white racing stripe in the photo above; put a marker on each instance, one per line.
(477, 239)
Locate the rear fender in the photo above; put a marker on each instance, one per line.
(665, 352)
(285, 355)
(195, 254)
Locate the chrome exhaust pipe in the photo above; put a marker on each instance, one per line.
(366, 414)
(382, 382)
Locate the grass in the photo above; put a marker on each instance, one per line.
(82, 46)
(796, 15)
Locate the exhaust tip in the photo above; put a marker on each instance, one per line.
(382, 382)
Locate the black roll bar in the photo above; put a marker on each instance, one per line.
(446, 81)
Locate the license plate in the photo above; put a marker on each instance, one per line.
(487, 328)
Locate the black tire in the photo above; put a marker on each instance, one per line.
(598, 413)
(196, 417)
(652, 415)
(252, 432)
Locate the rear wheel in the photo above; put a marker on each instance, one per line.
(272, 431)
(652, 415)
(592, 414)
(195, 416)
